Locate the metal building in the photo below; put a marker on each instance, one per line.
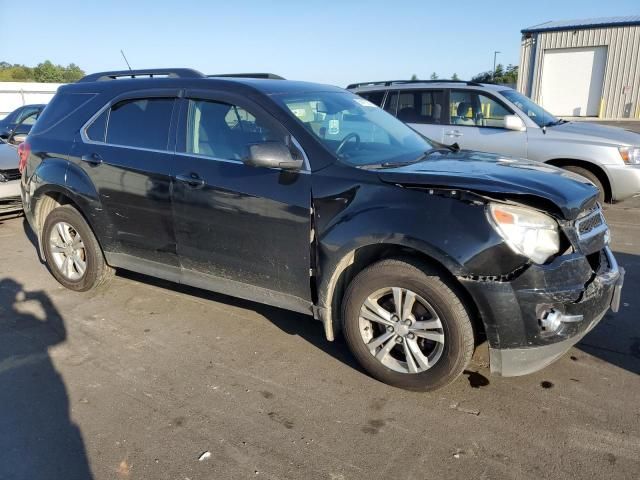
(583, 68)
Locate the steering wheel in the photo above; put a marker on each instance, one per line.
(346, 139)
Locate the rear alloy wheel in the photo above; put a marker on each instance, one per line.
(406, 325)
(72, 251)
(68, 251)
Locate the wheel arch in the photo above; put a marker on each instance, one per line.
(331, 292)
(594, 168)
(49, 197)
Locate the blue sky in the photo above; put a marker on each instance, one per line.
(328, 41)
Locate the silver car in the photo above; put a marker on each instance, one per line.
(498, 119)
(9, 173)
(9, 179)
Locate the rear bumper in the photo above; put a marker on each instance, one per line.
(515, 313)
(625, 180)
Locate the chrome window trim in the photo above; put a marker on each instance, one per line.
(85, 139)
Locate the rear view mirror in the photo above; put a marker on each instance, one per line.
(514, 122)
(272, 155)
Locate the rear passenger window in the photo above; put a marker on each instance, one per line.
(374, 97)
(142, 123)
(421, 106)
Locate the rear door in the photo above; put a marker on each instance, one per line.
(422, 109)
(477, 123)
(128, 153)
(233, 221)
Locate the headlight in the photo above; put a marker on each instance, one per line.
(528, 232)
(630, 155)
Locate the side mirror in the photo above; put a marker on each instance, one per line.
(514, 122)
(272, 155)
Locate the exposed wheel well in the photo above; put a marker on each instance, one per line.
(48, 202)
(592, 167)
(361, 258)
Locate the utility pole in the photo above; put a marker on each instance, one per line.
(493, 72)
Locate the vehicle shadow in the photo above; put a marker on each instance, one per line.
(289, 322)
(38, 440)
(616, 339)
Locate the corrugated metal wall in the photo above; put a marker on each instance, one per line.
(621, 89)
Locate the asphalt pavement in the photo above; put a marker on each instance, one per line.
(150, 380)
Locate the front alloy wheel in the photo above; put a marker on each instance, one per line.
(407, 325)
(401, 330)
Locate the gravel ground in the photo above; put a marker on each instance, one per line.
(138, 381)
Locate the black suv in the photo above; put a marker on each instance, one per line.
(310, 198)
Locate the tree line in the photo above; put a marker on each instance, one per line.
(45, 72)
(500, 75)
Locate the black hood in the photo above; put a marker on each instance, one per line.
(524, 181)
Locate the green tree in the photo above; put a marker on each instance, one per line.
(72, 73)
(48, 72)
(44, 72)
(454, 77)
(414, 77)
(434, 76)
(510, 75)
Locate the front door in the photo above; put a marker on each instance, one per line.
(248, 225)
(477, 123)
(128, 154)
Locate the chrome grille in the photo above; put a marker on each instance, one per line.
(591, 224)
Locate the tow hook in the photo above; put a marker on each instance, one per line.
(551, 320)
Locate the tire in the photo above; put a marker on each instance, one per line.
(592, 177)
(60, 233)
(446, 358)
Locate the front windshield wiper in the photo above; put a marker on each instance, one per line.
(554, 123)
(423, 156)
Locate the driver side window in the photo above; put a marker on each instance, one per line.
(225, 131)
(473, 109)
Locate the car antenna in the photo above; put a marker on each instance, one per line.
(125, 59)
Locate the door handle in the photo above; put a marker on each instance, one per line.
(191, 179)
(453, 133)
(93, 159)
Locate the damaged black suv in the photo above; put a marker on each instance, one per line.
(310, 198)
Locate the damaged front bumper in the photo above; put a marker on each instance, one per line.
(534, 319)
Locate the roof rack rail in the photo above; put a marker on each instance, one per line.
(150, 73)
(271, 76)
(387, 83)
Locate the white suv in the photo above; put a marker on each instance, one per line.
(498, 119)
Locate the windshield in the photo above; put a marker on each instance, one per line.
(354, 129)
(534, 111)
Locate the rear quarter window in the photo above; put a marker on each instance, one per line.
(58, 109)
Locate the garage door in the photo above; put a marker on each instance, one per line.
(572, 81)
